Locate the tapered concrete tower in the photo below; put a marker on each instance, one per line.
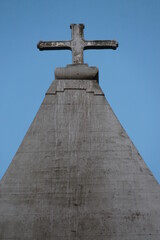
(77, 175)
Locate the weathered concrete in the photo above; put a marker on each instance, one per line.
(80, 71)
(77, 175)
(77, 45)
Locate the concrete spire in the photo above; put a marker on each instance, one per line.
(77, 175)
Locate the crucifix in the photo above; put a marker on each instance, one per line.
(77, 45)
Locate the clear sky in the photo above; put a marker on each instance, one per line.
(129, 77)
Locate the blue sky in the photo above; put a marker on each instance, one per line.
(129, 77)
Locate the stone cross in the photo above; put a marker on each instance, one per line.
(77, 44)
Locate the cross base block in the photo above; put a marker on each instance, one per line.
(77, 71)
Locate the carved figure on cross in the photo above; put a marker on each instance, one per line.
(77, 45)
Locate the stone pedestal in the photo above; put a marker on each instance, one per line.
(77, 71)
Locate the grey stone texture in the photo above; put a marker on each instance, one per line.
(77, 175)
(77, 45)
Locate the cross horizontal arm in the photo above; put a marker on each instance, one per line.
(101, 44)
(78, 44)
(51, 45)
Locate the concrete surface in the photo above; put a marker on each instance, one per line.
(77, 175)
(77, 45)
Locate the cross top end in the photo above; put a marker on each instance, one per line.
(77, 45)
(81, 25)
